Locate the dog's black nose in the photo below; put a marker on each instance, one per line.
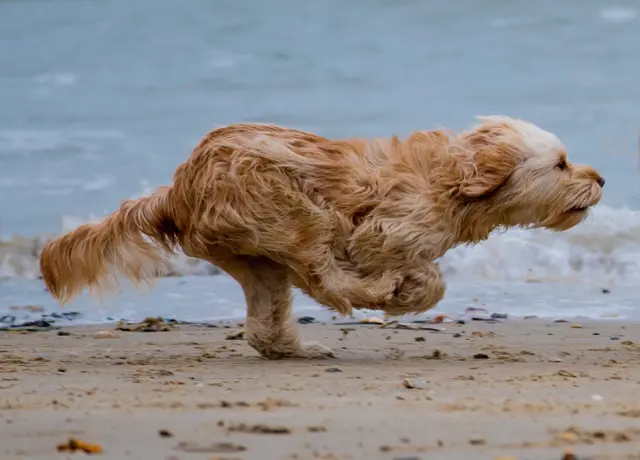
(601, 181)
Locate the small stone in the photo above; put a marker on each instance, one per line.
(596, 333)
(597, 398)
(238, 335)
(576, 326)
(420, 339)
(372, 320)
(569, 456)
(457, 334)
(105, 335)
(63, 333)
(555, 359)
(606, 291)
(477, 441)
(414, 384)
(499, 315)
(614, 338)
(481, 356)
(306, 320)
(165, 434)
(333, 369)
(565, 373)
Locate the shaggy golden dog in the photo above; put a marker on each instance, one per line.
(352, 223)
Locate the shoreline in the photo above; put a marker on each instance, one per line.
(520, 389)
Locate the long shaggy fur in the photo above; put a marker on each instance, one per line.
(353, 223)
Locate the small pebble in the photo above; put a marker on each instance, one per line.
(165, 434)
(499, 315)
(414, 384)
(477, 440)
(596, 333)
(606, 291)
(614, 338)
(576, 326)
(63, 333)
(306, 320)
(481, 356)
(333, 369)
(457, 334)
(420, 339)
(555, 359)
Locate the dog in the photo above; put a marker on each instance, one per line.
(354, 223)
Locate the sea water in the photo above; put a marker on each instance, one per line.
(101, 101)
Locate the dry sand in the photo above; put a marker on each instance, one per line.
(542, 388)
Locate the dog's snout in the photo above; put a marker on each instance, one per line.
(600, 180)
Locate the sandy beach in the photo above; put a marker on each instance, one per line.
(520, 389)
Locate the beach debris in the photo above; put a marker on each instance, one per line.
(560, 320)
(436, 354)
(481, 356)
(566, 373)
(568, 455)
(105, 335)
(574, 435)
(530, 317)
(555, 359)
(576, 326)
(63, 333)
(316, 429)
(29, 308)
(457, 334)
(372, 320)
(333, 369)
(259, 428)
(476, 440)
(499, 315)
(76, 445)
(237, 335)
(614, 337)
(478, 314)
(442, 318)
(597, 398)
(606, 291)
(150, 324)
(165, 434)
(414, 384)
(420, 339)
(7, 319)
(306, 320)
(215, 448)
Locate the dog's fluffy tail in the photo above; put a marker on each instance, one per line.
(133, 241)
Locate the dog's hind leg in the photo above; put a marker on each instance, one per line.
(269, 328)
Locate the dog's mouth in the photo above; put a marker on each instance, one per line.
(578, 209)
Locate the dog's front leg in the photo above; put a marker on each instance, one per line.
(422, 288)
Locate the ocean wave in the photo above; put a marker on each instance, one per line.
(604, 250)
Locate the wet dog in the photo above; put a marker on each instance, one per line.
(353, 223)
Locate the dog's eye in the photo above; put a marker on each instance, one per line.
(562, 165)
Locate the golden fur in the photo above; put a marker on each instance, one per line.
(353, 223)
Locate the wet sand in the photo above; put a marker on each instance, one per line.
(521, 389)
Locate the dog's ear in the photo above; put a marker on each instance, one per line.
(493, 158)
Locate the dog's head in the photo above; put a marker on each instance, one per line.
(521, 175)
